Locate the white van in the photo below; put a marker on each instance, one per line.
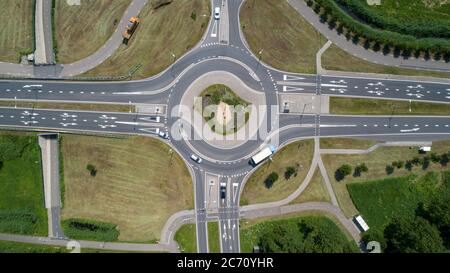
(217, 13)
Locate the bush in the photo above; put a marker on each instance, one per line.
(83, 229)
(389, 169)
(290, 171)
(92, 170)
(194, 15)
(272, 178)
(362, 168)
(342, 172)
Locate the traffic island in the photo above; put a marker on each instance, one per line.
(222, 109)
(216, 87)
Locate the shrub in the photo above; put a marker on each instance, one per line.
(389, 169)
(290, 171)
(194, 15)
(92, 170)
(271, 179)
(84, 229)
(342, 172)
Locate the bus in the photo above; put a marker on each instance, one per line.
(262, 155)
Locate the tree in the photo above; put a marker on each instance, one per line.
(92, 170)
(362, 168)
(290, 171)
(389, 169)
(400, 164)
(437, 213)
(413, 235)
(272, 178)
(342, 172)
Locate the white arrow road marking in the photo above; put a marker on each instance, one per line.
(340, 90)
(375, 84)
(292, 78)
(29, 122)
(68, 124)
(340, 81)
(419, 86)
(149, 130)
(291, 89)
(415, 95)
(107, 117)
(334, 85)
(235, 187)
(107, 126)
(214, 30)
(342, 125)
(412, 130)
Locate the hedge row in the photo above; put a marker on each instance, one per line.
(83, 229)
(400, 44)
(428, 29)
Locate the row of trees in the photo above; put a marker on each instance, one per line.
(273, 176)
(432, 28)
(427, 232)
(346, 170)
(389, 42)
(424, 161)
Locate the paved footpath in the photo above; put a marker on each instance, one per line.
(358, 51)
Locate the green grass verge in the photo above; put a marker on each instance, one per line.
(297, 155)
(85, 229)
(316, 191)
(359, 106)
(287, 41)
(14, 247)
(346, 143)
(22, 208)
(295, 237)
(213, 237)
(380, 201)
(186, 237)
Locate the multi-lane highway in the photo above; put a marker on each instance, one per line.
(223, 49)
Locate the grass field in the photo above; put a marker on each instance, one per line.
(82, 30)
(346, 143)
(139, 183)
(213, 237)
(22, 207)
(159, 34)
(357, 106)
(287, 41)
(298, 155)
(251, 231)
(16, 32)
(315, 192)
(335, 58)
(379, 201)
(376, 163)
(186, 237)
(70, 106)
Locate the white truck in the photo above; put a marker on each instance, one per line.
(262, 155)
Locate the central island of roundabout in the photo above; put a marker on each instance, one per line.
(220, 118)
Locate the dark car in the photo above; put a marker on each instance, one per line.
(223, 190)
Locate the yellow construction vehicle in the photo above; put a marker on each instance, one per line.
(131, 28)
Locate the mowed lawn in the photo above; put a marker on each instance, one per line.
(82, 30)
(166, 30)
(298, 155)
(22, 208)
(287, 41)
(376, 162)
(346, 143)
(335, 58)
(357, 106)
(186, 237)
(16, 31)
(139, 183)
(316, 191)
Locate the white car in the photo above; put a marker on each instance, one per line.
(217, 13)
(163, 135)
(196, 159)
